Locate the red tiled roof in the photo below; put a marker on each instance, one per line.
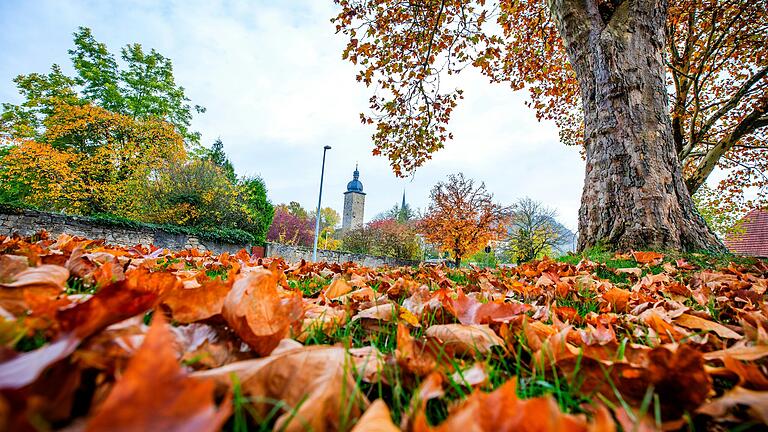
(752, 240)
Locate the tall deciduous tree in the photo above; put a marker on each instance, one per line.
(605, 56)
(462, 217)
(143, 88)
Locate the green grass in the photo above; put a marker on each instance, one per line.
(309, 287)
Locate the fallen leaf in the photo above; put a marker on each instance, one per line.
(376, 418)
(470, 311)
(745, 353)
(44, 276)
(756, 401)
(647, 257)
(257, 311)
(155, 394)
(337, 288)
(473, 376)
(416, 356)
(502, 411)
(10, 266)
(25, 368)
(188, 305)
(315, 380)
(695, 323)
(466, 339)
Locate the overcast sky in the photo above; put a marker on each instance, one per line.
(276, 89)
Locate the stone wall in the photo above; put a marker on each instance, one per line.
(30, 222)
(298, 253)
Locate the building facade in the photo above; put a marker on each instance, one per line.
(354, 203)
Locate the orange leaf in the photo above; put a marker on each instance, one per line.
(155, 394)
(258, 313)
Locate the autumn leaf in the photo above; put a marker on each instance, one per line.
(10, 266)
(155, 394)
(188, 305)
(337, 288)
(258, 312)
(465, 339)
(693, 322)
(652, 258)
(756, 401)
(25, 368)
(501, 410)
(314, 383)
(417, 356)
(46, 279)
(470, 311)
(376, 418)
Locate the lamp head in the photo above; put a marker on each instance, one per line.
(327, 147)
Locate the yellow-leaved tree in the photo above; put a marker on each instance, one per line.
(89, 160)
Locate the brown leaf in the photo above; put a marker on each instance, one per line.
(470, 311)
(45, 280)
(502, 411)
(337, 288)
(258, 313)
(115, 303)
(155, 394)
(693, 322)
(647, 257)
(618, 298)
(10, 266)
(750, 375)
(188, 305)
(745, 353)
(466, 339)
(44, 276)
(25, 368)
(376, 418)
(757, 401)
(416, 356)
(315, 380)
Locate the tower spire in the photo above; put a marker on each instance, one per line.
(402, 206)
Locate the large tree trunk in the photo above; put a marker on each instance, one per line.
(634, 194)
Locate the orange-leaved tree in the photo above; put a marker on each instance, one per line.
(462, 217)
(604, 71)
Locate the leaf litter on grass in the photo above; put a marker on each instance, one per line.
(143, 338)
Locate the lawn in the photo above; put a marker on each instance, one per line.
(98, 337)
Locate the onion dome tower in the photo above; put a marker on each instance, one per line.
(354, 203)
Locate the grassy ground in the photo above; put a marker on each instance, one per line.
(636, 336)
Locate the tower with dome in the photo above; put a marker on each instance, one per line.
(354, 203)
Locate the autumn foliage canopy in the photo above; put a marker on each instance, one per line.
(717, 74)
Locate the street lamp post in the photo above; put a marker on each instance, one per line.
(319, 200)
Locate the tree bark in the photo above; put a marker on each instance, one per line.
(634, 195)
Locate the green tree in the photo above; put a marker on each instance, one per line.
(219, 158)
(257, 207)
(329, 218)
(150, 90)
(97, 71)
(399, 213)
(42, 95)
(145, 88)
